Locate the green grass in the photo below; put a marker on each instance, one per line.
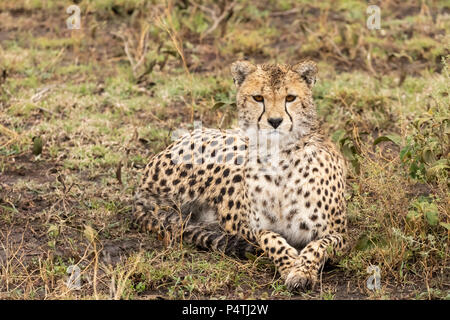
(382, 95)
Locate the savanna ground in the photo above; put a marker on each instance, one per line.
(82, 110)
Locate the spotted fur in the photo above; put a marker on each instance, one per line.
(208, 187)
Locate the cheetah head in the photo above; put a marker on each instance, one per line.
(276, 98)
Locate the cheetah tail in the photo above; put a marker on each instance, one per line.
(169, 224)
(216, 239)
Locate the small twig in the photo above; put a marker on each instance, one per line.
(60, 53)
(211, 12)
(338, 52)
(140, 51)
(143, 44)
(38, 96)
(222, 120)
(46, 110)
(4, 130)
(216, 20)
(284, 13)
(126, 49)
(8, 132)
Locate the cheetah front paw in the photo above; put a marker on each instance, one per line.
(300, 278)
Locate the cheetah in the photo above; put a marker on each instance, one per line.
(273, 185)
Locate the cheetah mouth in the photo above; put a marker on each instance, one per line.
(276, 132)
(270, 131)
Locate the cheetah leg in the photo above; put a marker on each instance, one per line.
(171, 224)
(305, 271)
(283, 255)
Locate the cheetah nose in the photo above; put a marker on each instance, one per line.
(275, 122)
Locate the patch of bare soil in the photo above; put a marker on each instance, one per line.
(25, 211)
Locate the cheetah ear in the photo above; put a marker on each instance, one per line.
(240, 70)
(307, 71)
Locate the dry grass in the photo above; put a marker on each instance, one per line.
(82, 110)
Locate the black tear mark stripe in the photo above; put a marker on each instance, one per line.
(264, 107)
(260, 116)
(292, 122)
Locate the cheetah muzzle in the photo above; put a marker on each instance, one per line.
(275, 184)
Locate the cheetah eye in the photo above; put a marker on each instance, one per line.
(290, 98)
(258, 98)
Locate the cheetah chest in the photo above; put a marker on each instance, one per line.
(284, 201)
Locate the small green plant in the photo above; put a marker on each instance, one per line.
(423, 210)
(347, 146)
(140, 287)
(279, 289)
(426, 153)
